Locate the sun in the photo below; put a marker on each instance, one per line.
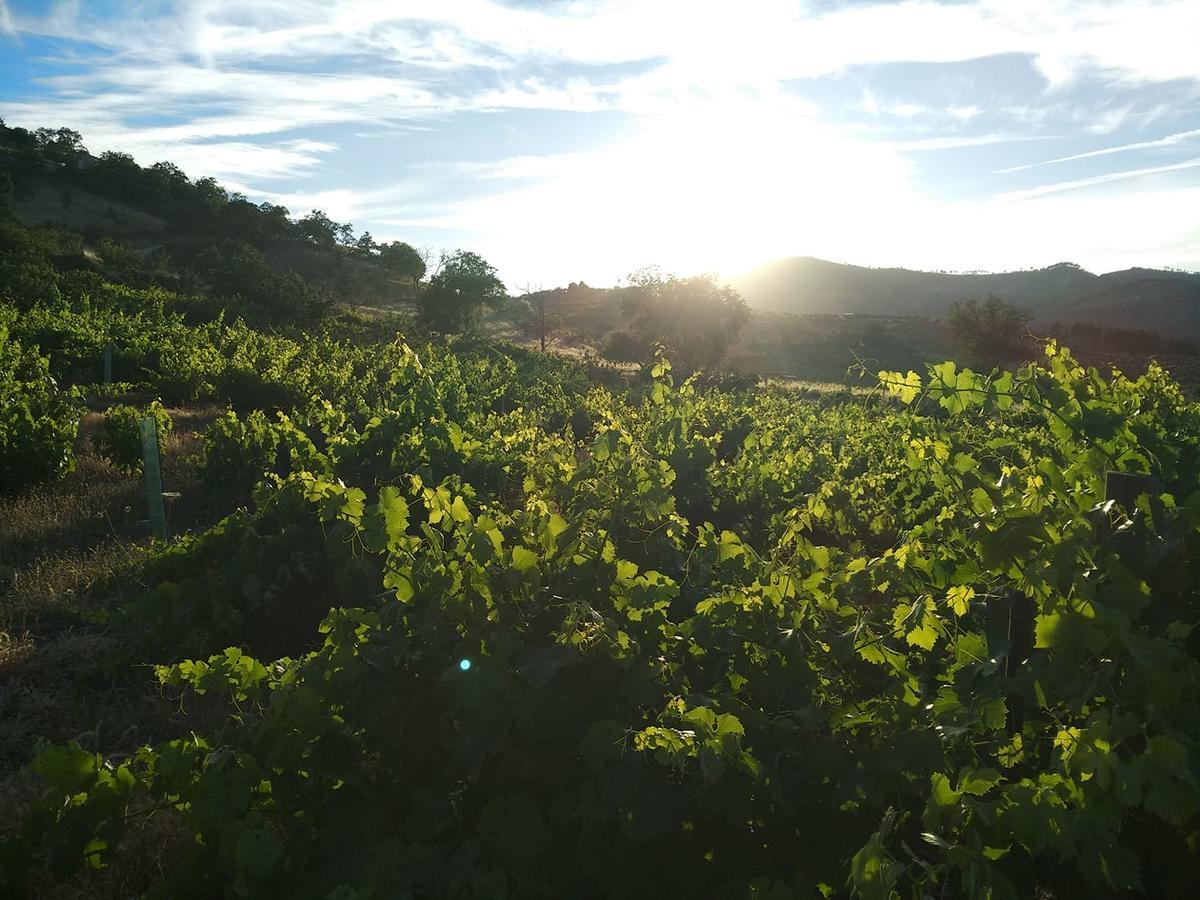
(712, 188)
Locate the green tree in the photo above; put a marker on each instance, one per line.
(276, 222)
(464, 285)
(321, 230)
(289, 298)
(403, 260)
(171, 180)
(60, 146)
(116, 175)
(125, 265)
(989, 332)
(210, 195)
(234, 267)
(365, 246)
(696, 319)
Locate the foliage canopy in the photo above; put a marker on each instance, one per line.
(464, 285)
(402, 259)
(696, 319)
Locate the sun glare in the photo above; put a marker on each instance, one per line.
(718, 191)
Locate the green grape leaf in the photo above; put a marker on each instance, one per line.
(959, 599)
(523, 559)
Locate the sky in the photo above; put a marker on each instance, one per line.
(582, 140)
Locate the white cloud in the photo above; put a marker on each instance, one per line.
(1109, 121)
(954, 141)
(869, 104)
(703, 39)
(417, 52)
(1058, 187)
(964, 113)
(229, 160)
(1169, 141)
(725, 160)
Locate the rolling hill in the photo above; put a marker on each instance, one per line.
(1159, 300)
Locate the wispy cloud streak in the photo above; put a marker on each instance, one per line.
(1169, 141)
(1059, 187)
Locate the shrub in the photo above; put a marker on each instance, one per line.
(38, 422)
(238, 452)
(622, 346)
(119, 437)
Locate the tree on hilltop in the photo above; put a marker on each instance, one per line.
(463, 286)
(365, 246)
(60, 146)
(403, 260)
(321, 230)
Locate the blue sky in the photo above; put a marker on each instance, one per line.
(584, 139)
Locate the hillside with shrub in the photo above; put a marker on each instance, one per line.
(156, 226)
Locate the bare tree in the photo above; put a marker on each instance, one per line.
(537, 316)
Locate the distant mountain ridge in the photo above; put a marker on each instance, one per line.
(1155, 299)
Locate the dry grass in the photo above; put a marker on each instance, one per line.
(69, 551)
(97, 502)
(80, 210)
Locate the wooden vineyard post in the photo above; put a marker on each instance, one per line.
(1126, 487)
(154, 488)
(1010, 620)
(1010, 623)
(108, 363)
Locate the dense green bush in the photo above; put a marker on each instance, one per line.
(263, 580)
(239, 452)
(118, 438)
(38, 421)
